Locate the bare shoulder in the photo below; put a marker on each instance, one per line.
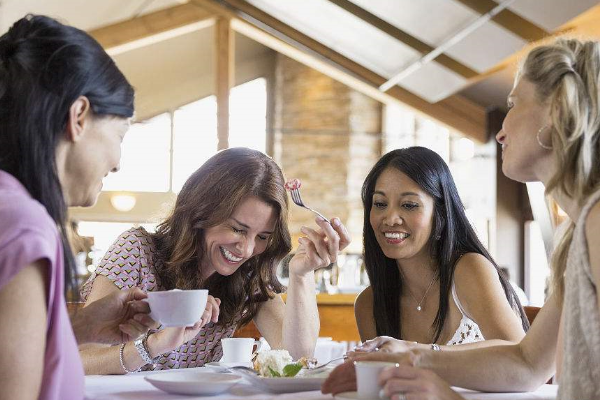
(364, 300)
(473, 269)
(476, 281)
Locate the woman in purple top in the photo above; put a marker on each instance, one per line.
(64, 109)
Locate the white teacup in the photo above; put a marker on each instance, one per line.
(177, 307)
(367, 378)
(238, 350)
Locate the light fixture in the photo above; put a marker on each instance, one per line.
(463, 149)
(123, 202)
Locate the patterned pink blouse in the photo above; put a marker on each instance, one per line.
(130, 262)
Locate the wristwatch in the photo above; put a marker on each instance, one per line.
(142, 349)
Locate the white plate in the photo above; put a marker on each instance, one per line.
(288, 385)
(351, 396)
(223, 366)
(193, 382)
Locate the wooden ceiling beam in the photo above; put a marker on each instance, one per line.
(456, 112)
(152, 28)
(404, 37)
(509, 20)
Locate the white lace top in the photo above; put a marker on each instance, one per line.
(468, 331)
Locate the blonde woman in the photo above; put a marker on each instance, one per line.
(551, 134)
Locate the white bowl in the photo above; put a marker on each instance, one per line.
(193, 382)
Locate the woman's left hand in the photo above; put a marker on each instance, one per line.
(319, 248)
(384, 344)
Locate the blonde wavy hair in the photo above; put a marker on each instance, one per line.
(566, 76)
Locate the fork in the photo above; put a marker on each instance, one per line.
(326, 364)
(295, 193)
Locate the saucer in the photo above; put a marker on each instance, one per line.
(193, 382)
(224, 366)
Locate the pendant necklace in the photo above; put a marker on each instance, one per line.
(419, 308)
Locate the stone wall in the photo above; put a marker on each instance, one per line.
(328, 136)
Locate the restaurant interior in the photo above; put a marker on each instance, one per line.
(325, 87)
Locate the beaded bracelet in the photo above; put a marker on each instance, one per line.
(121, 350)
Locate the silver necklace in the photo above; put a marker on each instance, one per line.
(419, 308)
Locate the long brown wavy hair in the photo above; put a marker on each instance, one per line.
(208, 198)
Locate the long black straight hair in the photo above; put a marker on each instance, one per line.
(450, 225)
(44, 67)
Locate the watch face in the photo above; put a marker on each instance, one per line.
(140, 345)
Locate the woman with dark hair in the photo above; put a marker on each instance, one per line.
(433, 284)
(227, 233)
(551, 134)
(64, 109)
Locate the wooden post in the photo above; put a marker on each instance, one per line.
(224, 73)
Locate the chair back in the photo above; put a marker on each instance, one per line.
(531, 313)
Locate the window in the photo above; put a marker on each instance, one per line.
(194, 138)
(159, 156)
(104, 235)
(145, 158)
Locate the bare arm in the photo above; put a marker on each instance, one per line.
(23, 313)
(592, 233)
(101, 359)
(363, 312)
(524, 366)
(289, 327)
(294, 326)
(481, 294)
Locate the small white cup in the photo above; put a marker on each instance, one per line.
(367, 378)
(238, 350)
(177, 307)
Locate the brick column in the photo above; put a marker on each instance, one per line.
(328, 136)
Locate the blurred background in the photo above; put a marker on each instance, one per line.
(325, 87)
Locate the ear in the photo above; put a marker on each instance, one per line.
(79, 116)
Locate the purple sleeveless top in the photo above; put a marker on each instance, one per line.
(28, 234)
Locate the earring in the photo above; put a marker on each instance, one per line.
(542, 145)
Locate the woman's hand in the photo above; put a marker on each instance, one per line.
(319, 248)
(169, 339)
(411, 383)
(119, 317)
(343, 377)
(384, 344)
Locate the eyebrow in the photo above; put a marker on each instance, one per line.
(402, 194)
(247, 227)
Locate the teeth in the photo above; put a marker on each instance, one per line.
(229, 256)
(395, 235)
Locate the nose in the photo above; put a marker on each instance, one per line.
(393, 218)
(246, 247)
(500, 136)
(116, 169)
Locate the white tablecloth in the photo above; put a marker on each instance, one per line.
(134, 387)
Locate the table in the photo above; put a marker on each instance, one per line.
(134, 387)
